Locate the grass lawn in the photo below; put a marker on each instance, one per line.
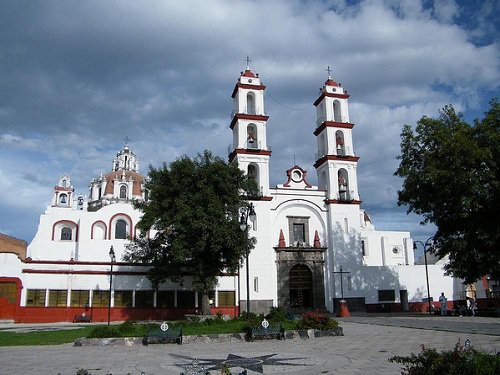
(8, 338)
(134, 329)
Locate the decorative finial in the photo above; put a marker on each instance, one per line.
(126, 139)
(248, 63)
(329, 72)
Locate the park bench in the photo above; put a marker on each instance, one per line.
(81, 318)
(163, 334)
(267, 331)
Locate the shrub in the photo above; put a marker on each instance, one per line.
(461, 360)
(312, 320)
(276, 314)
(104, 331)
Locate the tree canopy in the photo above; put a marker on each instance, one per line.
(191, 215)
(451, 176)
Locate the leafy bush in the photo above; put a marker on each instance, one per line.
(461, 360)
(312, 320)
(276, 314)
(104, 331)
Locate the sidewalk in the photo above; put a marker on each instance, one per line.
(368, 343)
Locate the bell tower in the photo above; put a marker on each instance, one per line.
(336, 162)
(248, 124)
(63, 192)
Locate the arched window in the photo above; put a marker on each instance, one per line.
(322, 146)
(252, 141)
(343, 185)
(64, 183)
(339, 143)
(63, 199)
(98, 231)
(322, 180)
(66, 234)
(123, 192)
(121, 229)
(336, 111)
(253, 173)
(251, 103)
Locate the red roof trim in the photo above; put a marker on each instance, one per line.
(248, 73)
(248, 151)
(333, 124)
(319, 162)
(246, 86)
(245, 116)
(89, 272)
(330, 95)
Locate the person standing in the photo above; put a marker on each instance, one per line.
(472, 305)
(443, 301)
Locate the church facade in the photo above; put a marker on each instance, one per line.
(315, 244)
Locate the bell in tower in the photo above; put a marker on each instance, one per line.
(63, 192)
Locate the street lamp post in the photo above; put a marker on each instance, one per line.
(426, 246)
(112, 258)
(248, 212)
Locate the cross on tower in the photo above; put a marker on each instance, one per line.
(248, 62)
(329, 72)
(126, 139)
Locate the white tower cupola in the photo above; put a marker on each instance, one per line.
(123, 184)
(336, 163)
(63, 192)
(248, 124)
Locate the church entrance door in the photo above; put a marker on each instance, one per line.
(301, 287)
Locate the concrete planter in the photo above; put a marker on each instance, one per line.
(204, 339)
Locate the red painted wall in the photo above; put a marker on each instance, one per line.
(100, 314)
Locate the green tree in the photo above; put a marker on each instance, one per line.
(191, 216)
(450, 172)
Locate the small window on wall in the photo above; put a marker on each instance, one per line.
(388, 295)
(144, 298)
(123, 298)
(66, 234)
(226, 298)
(58, 298)
(298, 230)
(100, 298)
(165, 298)
(35, 297)
(363, 248)
(121, 229)
(80, 298)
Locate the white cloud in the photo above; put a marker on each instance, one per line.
(82, 76)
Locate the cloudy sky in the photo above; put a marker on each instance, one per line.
(77, 77)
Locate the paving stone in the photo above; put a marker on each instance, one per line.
(367, 344)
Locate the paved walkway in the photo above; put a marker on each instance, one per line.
(368, 343)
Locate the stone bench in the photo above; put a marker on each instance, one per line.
(163, 335)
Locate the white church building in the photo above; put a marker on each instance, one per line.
(315, 244)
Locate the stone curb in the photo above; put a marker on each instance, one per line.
(196, 339)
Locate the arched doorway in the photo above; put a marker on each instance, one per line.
(301, 287)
